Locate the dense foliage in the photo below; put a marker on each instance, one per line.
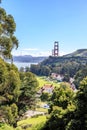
(17, 90)
(62, 65)
(9, 92)
(28, 91)
(79, 120)
(9, 75)
(80, 75)
(7, 39)
(68, 111)
(40, 70)
(60, 108)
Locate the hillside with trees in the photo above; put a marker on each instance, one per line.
(79, 52)
(68, 66)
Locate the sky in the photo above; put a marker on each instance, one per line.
(39, 23)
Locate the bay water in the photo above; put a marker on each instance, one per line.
(22, 64)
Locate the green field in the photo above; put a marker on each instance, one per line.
(35, 123)
(45, 80)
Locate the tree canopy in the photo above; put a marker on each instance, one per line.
(7, 38)
(28, 90)
(61, 108)
(79, 120)
(9, 92)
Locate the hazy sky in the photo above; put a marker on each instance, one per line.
(41, 22)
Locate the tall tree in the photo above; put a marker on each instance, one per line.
(7, 39)
(45, 71)
(28, 90)
(61, 109)
(80, 75)
(62, 96)
(79, 120)
(9, 92)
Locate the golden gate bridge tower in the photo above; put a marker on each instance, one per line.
(55, 51)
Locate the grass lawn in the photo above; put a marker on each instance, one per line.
(45, 80)
(35, 122)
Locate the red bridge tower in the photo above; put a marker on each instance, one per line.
(55, 51)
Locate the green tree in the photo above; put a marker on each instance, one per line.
(13, 88)
(35, 69)
(45, 71)
(7, 39)
(61, 109)
(82, 73)
(79, 121)
(9, 92)
(21, 69)
(28, 89)
(10, 114)
(45, 96)
(27, 69)
(66, 78)
(3, 76)
(62, 96)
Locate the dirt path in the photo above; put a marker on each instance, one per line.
(31, 113)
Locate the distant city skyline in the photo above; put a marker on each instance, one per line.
(39, 23)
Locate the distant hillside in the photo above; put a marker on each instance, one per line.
(28, 58)
(79, 52)
(67, 65)
(77, 56)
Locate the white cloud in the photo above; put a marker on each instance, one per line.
(34, 52)
(42, 53)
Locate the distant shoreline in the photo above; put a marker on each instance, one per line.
(23, 64)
